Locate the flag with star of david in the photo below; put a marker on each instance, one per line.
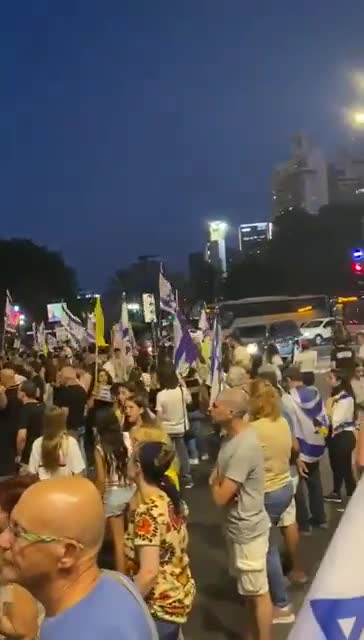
(334, 606)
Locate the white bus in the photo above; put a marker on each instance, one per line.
(300, 309)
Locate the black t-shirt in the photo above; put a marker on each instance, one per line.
(9, 425)
(74, 397)
(343, 356)
(39, 383)
(32, 416)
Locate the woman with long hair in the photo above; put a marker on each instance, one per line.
(137, 412)
(56, 453)
(19, 612)
(111, 458)
(156, 540)
(342, 413)
(275, 438)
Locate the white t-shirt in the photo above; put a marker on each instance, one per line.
(306, 360)
(71, 460)
(171, 406)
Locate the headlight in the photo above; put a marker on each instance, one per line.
(252, 348)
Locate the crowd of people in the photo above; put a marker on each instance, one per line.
(96, 465)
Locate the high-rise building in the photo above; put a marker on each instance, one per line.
(216, 248)
(346, 176)
(254, 237)
(302, 181)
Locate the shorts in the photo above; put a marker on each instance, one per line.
(116, 500)
(248, 564)
(288, 516)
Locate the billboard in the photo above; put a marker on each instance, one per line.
(54, 311)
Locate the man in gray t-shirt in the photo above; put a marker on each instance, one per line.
(241, 460)
(237, 485)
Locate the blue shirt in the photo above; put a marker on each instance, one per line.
(109, 612)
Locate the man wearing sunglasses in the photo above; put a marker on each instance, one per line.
(50, 548)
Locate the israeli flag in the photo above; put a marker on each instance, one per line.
(73, 326)
(334, 606)
(203, 323)
(216, 361)
(166, 295)
(185, 350)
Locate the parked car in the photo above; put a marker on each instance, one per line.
(319, 330)
(257, 336)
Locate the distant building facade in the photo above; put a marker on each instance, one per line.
(302, 181)
(254, 237)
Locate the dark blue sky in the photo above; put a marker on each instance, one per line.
(126, 124)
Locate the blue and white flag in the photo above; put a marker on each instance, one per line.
(310, 422)
(185, 350)
(166, 295)
(334, 606)
(216, 360)
(203, 323)
(73, 327)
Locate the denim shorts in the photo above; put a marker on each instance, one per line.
(116, 500)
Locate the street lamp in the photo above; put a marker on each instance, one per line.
(359, 118)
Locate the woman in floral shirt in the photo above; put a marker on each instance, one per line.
(156, 540)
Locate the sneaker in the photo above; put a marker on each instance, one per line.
(194, 461)
(297, 578)
(332, 497)
(283, 615)
(306, 532)
(189, 485)
(205, 457)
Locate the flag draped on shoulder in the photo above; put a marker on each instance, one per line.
(334, 606)
(99, 324)
(311, 422)
(216, 360)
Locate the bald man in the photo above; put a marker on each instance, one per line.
(10, 418)
(51, 547)
(237, 485)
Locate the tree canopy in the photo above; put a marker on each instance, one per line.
(34, 275)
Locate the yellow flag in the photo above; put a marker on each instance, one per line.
(100, 324)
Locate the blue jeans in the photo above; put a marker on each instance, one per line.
(167, 630)
(196, 445)
(182, 454)
(276, 502)
(312, 513)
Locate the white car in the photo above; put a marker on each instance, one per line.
(318, 330)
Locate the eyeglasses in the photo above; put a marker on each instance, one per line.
(20, 534)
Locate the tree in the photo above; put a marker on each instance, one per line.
(34, 275)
